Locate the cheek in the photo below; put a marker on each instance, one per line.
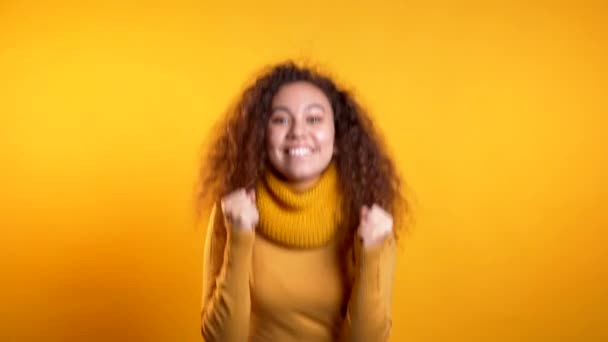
(325, 137)
(273, 138)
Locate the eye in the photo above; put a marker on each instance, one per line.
(279, 120)
(314, 119)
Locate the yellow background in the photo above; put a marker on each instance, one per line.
(497, 115)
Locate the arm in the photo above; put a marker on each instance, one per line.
(226, 302)
(368, 317)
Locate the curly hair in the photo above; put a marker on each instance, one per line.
(236, 156)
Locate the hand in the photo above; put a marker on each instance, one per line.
(240, 211)
(375, 226)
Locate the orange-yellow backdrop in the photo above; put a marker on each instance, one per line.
(497, 115)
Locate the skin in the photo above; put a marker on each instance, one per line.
(300, 134)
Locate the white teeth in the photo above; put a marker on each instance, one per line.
(300, 151)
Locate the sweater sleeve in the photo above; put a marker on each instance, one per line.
(368, 316)
(226, 302)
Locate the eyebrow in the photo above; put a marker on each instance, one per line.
(310, 106)
(315, 105)
(282, 109)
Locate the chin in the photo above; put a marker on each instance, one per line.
(303, 175)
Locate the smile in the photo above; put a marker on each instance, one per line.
(299, 151)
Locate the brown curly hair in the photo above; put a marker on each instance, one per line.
(236, 156)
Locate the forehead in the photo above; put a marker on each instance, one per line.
(300, 93)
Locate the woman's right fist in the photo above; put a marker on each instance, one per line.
(239, 210)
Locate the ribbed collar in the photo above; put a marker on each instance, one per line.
(306, 219)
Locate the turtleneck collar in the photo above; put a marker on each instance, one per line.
(306, 219)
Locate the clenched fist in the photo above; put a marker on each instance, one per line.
(375, 226)
(240, 211)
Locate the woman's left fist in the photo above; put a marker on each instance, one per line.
(375, 225)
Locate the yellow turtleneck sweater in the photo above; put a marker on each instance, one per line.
(288, 281)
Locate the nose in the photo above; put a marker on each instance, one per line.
(296, 130)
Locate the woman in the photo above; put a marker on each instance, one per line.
(301, 241)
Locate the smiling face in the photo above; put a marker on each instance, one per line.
(300, 133)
